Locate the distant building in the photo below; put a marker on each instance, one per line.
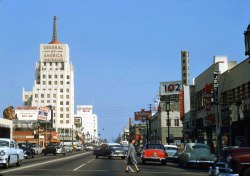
(88, 126)
(54, 84)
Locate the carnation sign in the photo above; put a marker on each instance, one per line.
(142, 115)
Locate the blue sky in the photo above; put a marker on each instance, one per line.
(121, 49)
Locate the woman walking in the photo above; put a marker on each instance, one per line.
(131, 160)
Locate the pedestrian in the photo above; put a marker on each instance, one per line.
(131, 160)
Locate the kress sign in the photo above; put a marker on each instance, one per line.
(142, 115)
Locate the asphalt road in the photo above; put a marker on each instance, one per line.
(84, 163)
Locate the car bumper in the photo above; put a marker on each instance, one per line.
(156, 159)
(221, 169)
(200, 162)
(3, 160)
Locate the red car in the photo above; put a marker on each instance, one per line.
(154, 153)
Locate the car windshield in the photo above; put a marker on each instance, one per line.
(200, 147)
(170, 148)
(4, 143)
(154, 146)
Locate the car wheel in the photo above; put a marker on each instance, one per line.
(246, 172)
(143, 162)
(7, 163)
(123, 157)
(63, 154)
(96, 156)
(164, 163)
(44, 154)
(109, 157)
(18, 163)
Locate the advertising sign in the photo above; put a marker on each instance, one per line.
(142, 115)
(52, 53)
(26, 112)
(169, 88)
(43, 113)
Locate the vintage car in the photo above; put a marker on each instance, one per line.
(110, 150)
(172, 151)
(37, 148)
(234, 161)
(54, 149)
(198, 154)
(10, 153)
(154, 153)
(68, 148)
(27, 150)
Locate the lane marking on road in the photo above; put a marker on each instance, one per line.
(44, 163)
(83, 165)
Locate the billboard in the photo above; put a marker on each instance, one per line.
(170, 88)
(142, 115)
(27, 112)
(43, 113)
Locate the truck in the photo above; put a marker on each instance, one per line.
(234, 161)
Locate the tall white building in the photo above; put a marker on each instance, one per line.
(54, 84)
(89, 123)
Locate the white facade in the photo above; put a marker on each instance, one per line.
(54, 84)
(89, 122)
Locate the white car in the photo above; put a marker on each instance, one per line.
(38, 149)
(172, 151)
(196, 154)
(10, 153)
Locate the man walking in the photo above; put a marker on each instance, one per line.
(131, 160)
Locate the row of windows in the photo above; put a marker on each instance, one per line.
(49, 96)
(176, 122)
(55, 76)
(55, 82)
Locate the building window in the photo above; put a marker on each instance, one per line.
(48, 95)
(67, 102)
(67, 96)
(61, 121)
(55, 82)
(61, 115)
(61, 96)
(49, 82)
(42, 95)
(61, 82)
(61, 109)
(61, 90)
(36, 95)
(54, 95)
(68, 76)
(176, 122)
(67, 90)
(61, 102)
(44, 82)
(68, 82)
(44, 76)
(61, 76)
(67, 109)
(48, 101)
(67, 121)
(49, 76)
(67, 115)
(55, 76)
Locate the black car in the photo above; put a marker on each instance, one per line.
(28, 151)
(54, 149)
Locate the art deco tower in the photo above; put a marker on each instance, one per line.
(54, 83)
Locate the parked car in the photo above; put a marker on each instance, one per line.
(154, 153)
(28, 151)
(79, 147)
(68, 148)
(234, 161)
(172, 151)
(54, 149)
(38, 149)
(10, 153)
(196, 154)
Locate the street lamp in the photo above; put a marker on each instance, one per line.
(168, 109)
(247, 40)
(147, 128)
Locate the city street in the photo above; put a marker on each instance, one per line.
(84, 163)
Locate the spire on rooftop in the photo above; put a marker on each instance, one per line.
(54, 37)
